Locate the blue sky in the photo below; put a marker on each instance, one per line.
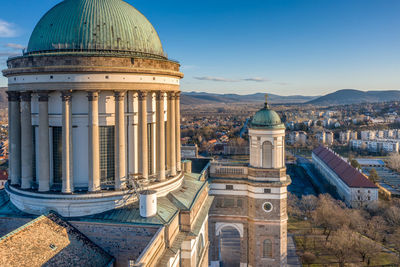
(307, 47)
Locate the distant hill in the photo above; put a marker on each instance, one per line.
(345, 96)
(191, 98)
(351, 96)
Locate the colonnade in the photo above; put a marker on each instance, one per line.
(21, 139)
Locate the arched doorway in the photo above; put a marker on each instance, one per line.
(229, 247)
(267, 154)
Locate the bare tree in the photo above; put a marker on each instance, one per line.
(366, 248)
(376, 228)
(341, 245)
(308, 204)
(394, 161)
(392, 216)
(329, 215)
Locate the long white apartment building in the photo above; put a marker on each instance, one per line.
(353, 187)
(375, 146)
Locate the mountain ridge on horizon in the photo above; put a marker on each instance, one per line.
(339, 97)
(343, 96)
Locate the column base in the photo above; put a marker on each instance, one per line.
(26, 183)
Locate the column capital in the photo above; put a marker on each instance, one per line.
(178, 95)
(26, 96)
(43, 96)
(13, 96)
(119, 95)
(160, 95)
(142, 95)
(171, 95)
(93, 95)
(66, 95)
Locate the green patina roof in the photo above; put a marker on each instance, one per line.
(266, 118)
(95, 25)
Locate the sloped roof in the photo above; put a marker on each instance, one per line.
(50, 241)
(349, 175)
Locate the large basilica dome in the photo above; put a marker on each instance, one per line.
(94, 109)
(96, 26)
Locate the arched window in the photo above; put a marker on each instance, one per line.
(267, 154)
(267, 248)
(200, 247)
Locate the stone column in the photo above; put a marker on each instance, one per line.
(143, 147)
(160, 135)
(171, 137)
(26, 141)
(93, 138)
(120, 166)
(44, 148)
(14, 137)
(178, 130)
(67, 170)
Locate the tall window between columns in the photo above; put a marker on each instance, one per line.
(57, 155)
(107, 160)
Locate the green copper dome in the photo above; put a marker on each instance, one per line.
(95, 26)
(266, 118)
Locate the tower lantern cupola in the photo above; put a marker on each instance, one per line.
(267, 136)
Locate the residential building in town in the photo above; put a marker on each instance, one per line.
(376, 146)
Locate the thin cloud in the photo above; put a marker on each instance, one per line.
(256, 79)
(215, 79)
(7, 29)
(15, 46)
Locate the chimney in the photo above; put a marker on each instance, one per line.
(148, 203)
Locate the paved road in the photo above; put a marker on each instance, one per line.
(292, 258)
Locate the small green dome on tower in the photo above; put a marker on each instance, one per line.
(266, 118)
(95, 27)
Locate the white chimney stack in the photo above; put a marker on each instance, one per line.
(148, 203)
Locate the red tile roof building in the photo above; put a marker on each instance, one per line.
(352, 186)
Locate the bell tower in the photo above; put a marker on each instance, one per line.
(248, 219)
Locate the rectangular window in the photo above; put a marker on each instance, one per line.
(229, 187)
(107, 158)
(267, 190)
(57, 155)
